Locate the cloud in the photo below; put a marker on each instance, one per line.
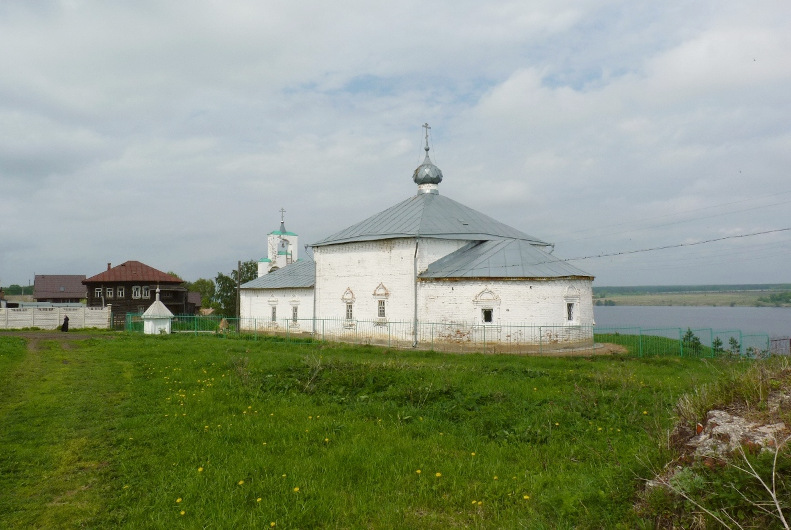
(575, 122)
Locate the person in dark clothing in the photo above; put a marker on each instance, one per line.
(65, 326)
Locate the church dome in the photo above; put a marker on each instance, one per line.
(427, 172)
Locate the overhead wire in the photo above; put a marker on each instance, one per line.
(677, 245)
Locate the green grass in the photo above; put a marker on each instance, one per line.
(113, 431)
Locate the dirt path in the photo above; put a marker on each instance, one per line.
(33, 338)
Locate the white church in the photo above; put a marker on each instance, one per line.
(425, 271)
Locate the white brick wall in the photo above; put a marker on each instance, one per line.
(256, 306)
(530, 302)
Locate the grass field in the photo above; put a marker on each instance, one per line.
(123, 430)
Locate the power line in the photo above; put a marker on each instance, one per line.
(678, 245)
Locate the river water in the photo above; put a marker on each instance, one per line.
(773, 321)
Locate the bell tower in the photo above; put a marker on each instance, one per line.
(282, 248)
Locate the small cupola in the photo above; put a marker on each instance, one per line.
(427, 175)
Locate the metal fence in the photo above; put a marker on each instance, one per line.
(462, 337)
(686, 342)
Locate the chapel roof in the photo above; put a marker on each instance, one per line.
(301, 273)
(428, 215)
(504, 258)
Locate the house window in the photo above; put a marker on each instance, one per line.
(146, 292)
(294, 314)
(570, 311)
(381, 312)
(274, 314)
(487, 316)
(121, 292)
(141, 309)
(136, 292)
(349, 311)
(97, 293)
(109, 292)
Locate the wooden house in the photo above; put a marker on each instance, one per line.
(59, 288)
(130, 288)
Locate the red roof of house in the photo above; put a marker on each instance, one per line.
(133, 271)
(58, 286)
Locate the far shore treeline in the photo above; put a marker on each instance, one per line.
(749, 295)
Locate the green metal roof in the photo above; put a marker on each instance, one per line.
(298, 274)
(504, 258)
(428, 215)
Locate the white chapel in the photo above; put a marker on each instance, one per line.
(427, 265)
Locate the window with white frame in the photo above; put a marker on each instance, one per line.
(109, 292)
(121, 292)
(487, 304)
(349, 311)
(571, 299)
(294, 314)
(135, 292)
(274, 313)
(146, 291)
(381, 313)
(97, 293)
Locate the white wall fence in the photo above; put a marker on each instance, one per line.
(52, 317)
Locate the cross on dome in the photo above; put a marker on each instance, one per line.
(427, 175)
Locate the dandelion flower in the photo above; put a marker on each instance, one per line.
(480, 502)
(439, 474)
(495, 477)
(474, 501)
(200, 470)
(326, 440)
(272, 524)
(472, 454)
(241, 482)
(258, 499)
(556, 423)
(178, 500)
(296, 488)
(645, 412)
(418, 472)
(526, 497)
(182, 512)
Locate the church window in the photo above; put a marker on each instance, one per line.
(136, 292)
(146, 292)
(274, 314)
(487, 316)
(381, 312)
(109, 292)
(294, 314)
(572, 300)
(97, 292)
(121, 292)
(349, 311)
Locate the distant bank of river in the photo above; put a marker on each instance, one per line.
(774, 321)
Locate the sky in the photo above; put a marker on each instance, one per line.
(649, 141)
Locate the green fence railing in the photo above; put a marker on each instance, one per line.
(464, 337)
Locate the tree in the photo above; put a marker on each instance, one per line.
(225, 287)
(206, 289)
(716, 345)
(692, 342)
